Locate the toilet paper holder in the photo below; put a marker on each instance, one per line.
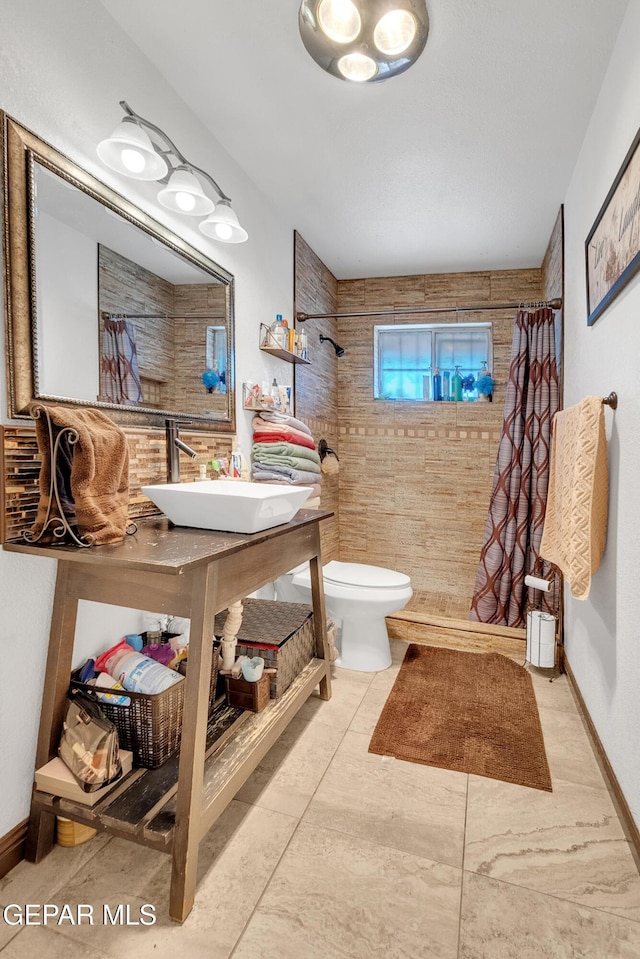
(541, 623)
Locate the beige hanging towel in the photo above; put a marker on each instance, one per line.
(575, 526)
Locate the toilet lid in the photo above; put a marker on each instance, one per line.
(360, 574)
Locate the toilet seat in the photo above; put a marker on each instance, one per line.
(358, 576)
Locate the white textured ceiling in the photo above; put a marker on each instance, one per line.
(461, 163)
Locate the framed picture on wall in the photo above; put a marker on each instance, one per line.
(612, 249)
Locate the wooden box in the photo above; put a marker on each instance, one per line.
(282, 633)
(245, 695)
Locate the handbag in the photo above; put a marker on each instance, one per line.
(89, 745)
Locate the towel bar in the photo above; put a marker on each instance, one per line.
(611, 400)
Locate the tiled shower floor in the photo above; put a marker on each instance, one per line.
(329, 852)
(438, 604)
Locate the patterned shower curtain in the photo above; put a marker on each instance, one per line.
(521, 478)
(119, 377)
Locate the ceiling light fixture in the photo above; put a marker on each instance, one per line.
(364, 40)
(139, 149)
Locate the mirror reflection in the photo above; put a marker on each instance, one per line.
(120, 317)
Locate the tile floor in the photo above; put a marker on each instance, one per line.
(329, 851)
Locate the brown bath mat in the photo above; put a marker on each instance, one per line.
(473, 712)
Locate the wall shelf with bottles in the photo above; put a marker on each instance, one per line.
(270, 343)
(255, 399)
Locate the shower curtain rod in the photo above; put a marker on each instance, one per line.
(555, 304)
(165, 316)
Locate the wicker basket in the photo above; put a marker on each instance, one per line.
(182, 668)
(282, 633)
(151, 725)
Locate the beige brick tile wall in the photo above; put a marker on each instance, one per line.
(415, 477)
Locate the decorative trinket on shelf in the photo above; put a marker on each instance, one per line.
(275, 400)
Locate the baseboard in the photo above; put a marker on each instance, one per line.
(622, 808)
(12, 847)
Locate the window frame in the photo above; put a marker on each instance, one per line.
(432, 328)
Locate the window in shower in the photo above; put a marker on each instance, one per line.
(417, 361)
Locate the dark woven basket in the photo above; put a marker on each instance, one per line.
(151, 725)
(282, 633)
(183, 666)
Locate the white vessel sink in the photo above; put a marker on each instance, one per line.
(231, 507)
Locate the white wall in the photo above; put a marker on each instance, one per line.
(602, 633)
(64, 67)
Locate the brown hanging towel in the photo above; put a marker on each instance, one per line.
(97, 476)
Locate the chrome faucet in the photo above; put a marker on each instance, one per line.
(174, 445)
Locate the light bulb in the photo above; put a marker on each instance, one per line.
(223, 231)
(339, 19)
(394, 32)
(357, 67)
(186, 201)
(133, 160)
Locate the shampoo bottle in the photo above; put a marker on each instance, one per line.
(279, 333)
(456, 386)
(437, 384)
(446, 385)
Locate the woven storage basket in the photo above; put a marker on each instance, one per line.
(151, 725)
(182, 668)
(282, 633)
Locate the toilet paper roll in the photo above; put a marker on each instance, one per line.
(541, 639)
(536, 583)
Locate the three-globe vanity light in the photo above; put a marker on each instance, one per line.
(139, 149)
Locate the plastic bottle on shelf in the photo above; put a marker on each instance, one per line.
(437, 384)
(302, 345)
(446, 385)
(456, 386)
(279, 333)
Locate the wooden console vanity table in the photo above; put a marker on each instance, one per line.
(192, 573)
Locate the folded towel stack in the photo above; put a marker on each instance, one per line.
(284, 451)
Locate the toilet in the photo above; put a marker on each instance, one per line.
(358, 596)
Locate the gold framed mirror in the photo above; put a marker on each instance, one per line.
(104, 306)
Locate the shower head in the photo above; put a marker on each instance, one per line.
(340, 351)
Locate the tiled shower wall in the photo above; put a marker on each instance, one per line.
(415, 477)
(316, 385)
